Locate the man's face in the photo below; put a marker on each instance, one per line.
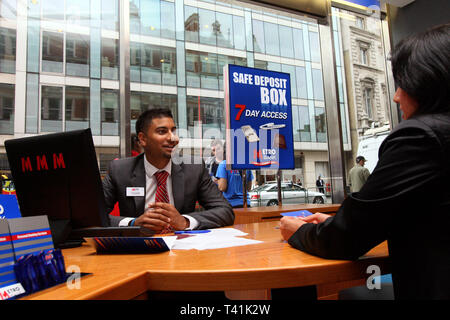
(160, 139)
(217, 151)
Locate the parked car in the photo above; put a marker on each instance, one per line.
(267, 195)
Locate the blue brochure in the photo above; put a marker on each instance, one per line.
(131, 244)
(301, 213)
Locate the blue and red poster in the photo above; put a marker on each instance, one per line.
(258, 113)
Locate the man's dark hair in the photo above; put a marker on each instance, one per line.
(421, 67)
(146, 117)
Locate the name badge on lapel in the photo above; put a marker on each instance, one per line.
(135, 192)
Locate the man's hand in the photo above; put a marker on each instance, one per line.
(153, 220)
(316, 218)
(170, 214)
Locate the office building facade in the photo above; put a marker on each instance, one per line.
(60, 70)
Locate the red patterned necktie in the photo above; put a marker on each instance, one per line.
(161, 189)
(161, 192)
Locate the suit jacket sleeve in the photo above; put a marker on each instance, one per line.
(218, 212)
(110, 193)
(409, 167)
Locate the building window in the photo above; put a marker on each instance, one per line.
(52, 51)
(191, 24)
(8, 9)
(368, 101)
(363, 56)
(110, 59)
(7, 50)
(78, 12)
(7, 108)
(51, 109)
(77, 55)
(321, 124)
(77, 108)
(360, 22)
(110, 112)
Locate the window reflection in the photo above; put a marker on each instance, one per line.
(7, 93)
(110, 58)
(321, 125)
(53, 9)
(51, 109)
(77, 108)
(52, 51)
(7, 50)
(191, 24)
(78, 12)
(8, 9)
(110, 112)
(77, 55)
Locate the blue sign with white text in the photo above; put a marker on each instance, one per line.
(9, 208)
(258, 114)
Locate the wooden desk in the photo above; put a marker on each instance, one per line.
(271, 264)
(272, 213)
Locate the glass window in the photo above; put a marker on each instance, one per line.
(151, 64)
(110, 112)
(239, 32)
(150, 17)
(291, 70)
(170, 101)
(78, 12)
(317, 84)
(208, 26)
(321, 124)
(51, 109)
(286, 43)
(359, 22)
(77, 108)
(169, 66)
(298, 44)
(191, 24)
(110, 14)
(314, 46)
(135, 108)
(32, 108)
(300, 74)
(110, 58)
(52, 51)
(212, 117)
(304, 124)
(363, 56)
(7, 50)
(223, 28)
(7, 99)
(193, 120)
(261, 64)
(77, 55)
(167, 20)
(135, 17)
(258, 36)
(272, 39)
(53, 9)
(135, 62)
(8, 9)
(368, 103)
(193, 69)
(208, 74)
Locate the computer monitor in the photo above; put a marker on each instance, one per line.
(57, 175)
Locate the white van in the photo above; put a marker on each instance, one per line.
(370, 143)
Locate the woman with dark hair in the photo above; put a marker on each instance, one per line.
(406, 200)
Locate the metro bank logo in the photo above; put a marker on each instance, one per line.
(41, 163)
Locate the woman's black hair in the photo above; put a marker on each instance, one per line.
(421, 67)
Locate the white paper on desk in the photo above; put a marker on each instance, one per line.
(217, 238)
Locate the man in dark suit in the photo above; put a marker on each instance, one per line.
(161, 204)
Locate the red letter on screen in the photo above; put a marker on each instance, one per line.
(41, 163)
(58, 161)
(26, 165)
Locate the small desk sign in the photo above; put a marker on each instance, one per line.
(9, 207)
